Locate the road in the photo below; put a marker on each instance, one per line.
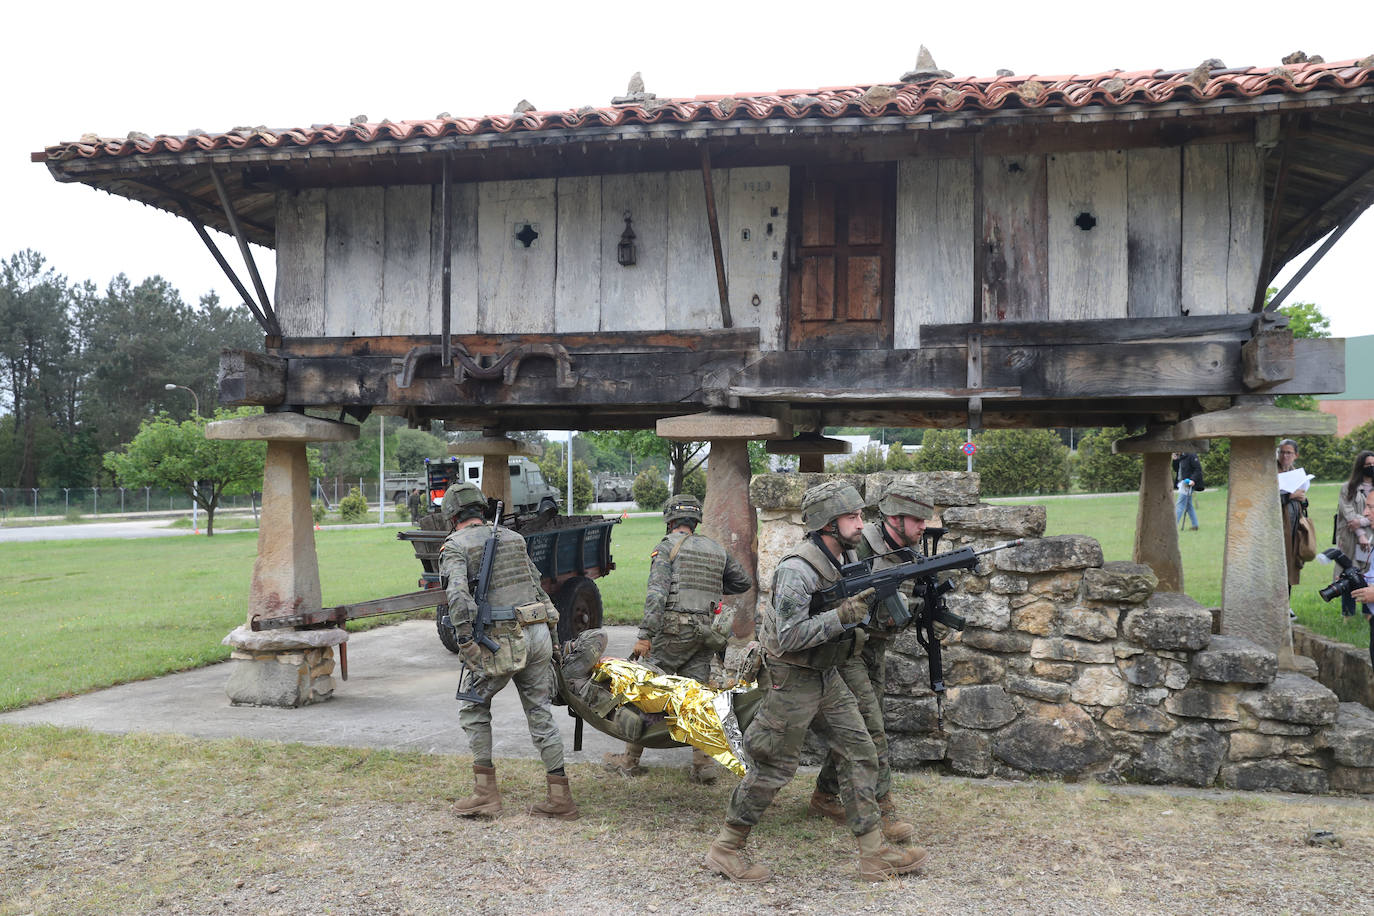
(139, 528)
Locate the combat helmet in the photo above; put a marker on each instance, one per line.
(903, 498)
(463, 500)
(682, 506)
(828, 500)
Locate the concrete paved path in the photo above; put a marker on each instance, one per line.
(399, 695)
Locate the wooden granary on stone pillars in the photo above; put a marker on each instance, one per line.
(937, 251)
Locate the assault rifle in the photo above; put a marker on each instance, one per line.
(482, 619)
(926, 570)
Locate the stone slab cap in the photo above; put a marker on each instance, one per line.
(242, 637)
(282, 427)
(785, 491)
(495, 445)
(808, 444)
(1158, 441)
(712, 425)
(1256, 420)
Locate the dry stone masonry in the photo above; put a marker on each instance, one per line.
(1074, 668)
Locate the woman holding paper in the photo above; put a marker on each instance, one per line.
(1293, 483)
(1353, 532)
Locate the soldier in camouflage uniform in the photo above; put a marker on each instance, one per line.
(524, 624)
(804, 643)
(905, 510)
(688, 575)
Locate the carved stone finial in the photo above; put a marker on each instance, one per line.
(1005, 72)
(358, 119)
(1297, 57)
(523, 106)
(1203, 71)
(925, 70)
(634, 93)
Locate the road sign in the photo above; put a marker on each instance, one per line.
(968, 448)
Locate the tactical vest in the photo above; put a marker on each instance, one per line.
(698, 570)
(832, 653)
(872, 543)
(510, 583)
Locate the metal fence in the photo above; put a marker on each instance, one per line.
(61, 502)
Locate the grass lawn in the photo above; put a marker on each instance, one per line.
(79, 615)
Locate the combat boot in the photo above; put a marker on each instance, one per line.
(703, 769)
(559, 804)
(724, 857)
(823, 804)
(485, 799)
(626, 764)
(879, 862)
(895, 830)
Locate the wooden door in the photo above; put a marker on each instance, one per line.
(840, 276)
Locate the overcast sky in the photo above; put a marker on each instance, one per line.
(82, 67)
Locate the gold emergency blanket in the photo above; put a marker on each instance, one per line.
(687, 705)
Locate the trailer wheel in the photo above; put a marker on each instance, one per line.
(447, 635)
(579, 607)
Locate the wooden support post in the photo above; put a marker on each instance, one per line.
(721, 286)
(730, 519)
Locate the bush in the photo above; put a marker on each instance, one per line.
(649, 489)
(1326, 457)
(1101, 471)
(555, 470)
(353, 508)
(865, 462)
(940, 451)
(1361, 439)
(1216, 463)
(1021, 461)
(695, 484)
(318, 511)
(899, 459)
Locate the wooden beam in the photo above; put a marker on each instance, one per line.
(263, 302)
(1098, 330)
(721, 285)
(1275, 209)
(398, 346)
(1320, 253)
(268, 326)
(1297, 231)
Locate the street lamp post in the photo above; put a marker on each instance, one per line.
(195, 484)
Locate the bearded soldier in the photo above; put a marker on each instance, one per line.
(523, 626)
(804, 641)
(688, 574)
(905, 510)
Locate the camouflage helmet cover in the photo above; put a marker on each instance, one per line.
(460, 496)
(902, 498)
(683, 505)
(827, 501)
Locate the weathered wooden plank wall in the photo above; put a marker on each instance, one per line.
(634, 298)
(1087, 234)
(1246, 249)
(577, 287)
(353, 260)
(1015, 231)
(934, 250)
(462, 245)
(515, 282)
(755, 241)
(406, 304)
(299, 294)
(1153, 215)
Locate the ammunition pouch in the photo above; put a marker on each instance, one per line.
(837, 651)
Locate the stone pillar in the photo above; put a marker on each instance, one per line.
(1156, 536)
(496, 452)
(1254, 589)
(728, 516)
(810, 449)
(286, 573)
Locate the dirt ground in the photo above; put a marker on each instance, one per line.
(131, 824)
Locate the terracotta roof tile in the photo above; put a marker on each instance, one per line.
(1109, 88)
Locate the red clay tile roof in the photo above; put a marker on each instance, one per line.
(1111, 89)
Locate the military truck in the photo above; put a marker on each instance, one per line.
(529, 492)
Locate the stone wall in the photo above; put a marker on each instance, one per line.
(1341, 667)
(1079, 669)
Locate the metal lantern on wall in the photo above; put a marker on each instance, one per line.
(625, 250)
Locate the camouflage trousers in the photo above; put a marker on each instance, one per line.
(535, 684)
(680, 649)
(797, 699)
(864, 675)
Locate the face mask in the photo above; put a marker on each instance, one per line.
(1368, 471)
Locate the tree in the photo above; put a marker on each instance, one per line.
(681, 457)
(1305, 320)
(177, 456)
(865, 462)
(1101, 471)
(649, 490)
(554, 466)
(1021, 461)
(410, 448)
(940, 451)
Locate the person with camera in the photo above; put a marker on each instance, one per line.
(1353, 530)
(1361, 563)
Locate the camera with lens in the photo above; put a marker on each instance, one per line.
(1349, 579)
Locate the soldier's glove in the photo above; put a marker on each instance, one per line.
(855, 607)
(641, 648)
